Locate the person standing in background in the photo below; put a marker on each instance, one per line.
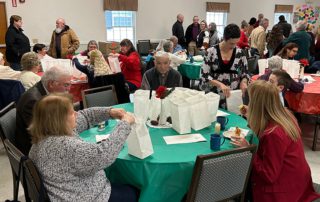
(178, 31)
(191, 36)
(64, 40)
(17, 43)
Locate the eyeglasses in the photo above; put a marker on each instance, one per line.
(66, 85)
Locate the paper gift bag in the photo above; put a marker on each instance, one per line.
(141, 104)
(292, 67)
(234, 101)
(263, 65)
(139, 142)
(180, 115)
(114, 64)
(198, 112)
(154, 107)
(213, 105)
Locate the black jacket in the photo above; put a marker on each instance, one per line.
(285, 27)
(178, 31)
(16, 44)
(189, 33)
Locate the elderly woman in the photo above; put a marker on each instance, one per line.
(225, 66)
(175, 59)
(72, 169)
(280, 171)
(41, 50)
(176, 47)
(92, 45)
(162, 74)
(30, 64)
(130, 64)
(213, 34)
(243, 41)
(7, 72)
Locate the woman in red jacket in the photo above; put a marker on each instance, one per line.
(280, 171)
(130, 64)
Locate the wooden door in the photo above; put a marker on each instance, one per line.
(3, 26)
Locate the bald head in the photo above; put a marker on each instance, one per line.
(180, 17)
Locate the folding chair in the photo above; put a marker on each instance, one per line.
(144, 46)
(252, 64)
(221, 176)
(101, 96)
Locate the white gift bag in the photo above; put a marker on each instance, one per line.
(180, 115)
(198, 112)
(234, 101)
(154, 107)
(292, 67)
(213, 105)
(139, 141)
(114, 64)
(141, 104)
(263, 65)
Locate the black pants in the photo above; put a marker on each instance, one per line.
(123, 193)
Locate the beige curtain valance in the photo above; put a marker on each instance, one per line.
(283, 8)
(120, 5)
(218, 7)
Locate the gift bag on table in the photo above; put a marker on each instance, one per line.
(154, 107)
(141, 104)
(139, 141)
(114, 64)
(234, 101)
(213, 105)
(198, 112)
(180, 115)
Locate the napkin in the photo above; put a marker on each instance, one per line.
(181, 139)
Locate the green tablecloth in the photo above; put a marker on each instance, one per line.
(190, 70)
(166, 174)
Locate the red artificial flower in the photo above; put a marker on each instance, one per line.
(161, 92)
(304, 62)
(69, 56)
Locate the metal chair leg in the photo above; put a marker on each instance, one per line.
(315, 135)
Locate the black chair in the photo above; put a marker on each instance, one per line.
(102, 96)
(144, 46)
(33, 182)
(221, 176)
(8, 122)
(11, 91)
(16, 158)
(252, 64)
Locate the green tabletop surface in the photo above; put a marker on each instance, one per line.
(166, 174)
(190, 70)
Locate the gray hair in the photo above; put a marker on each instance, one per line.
(161, 54)
(244, 24)
(301, 25)
(167, 46)
(174, 39)
(263, 21)
(275, 62)
(212, 27)
(29, 60)
(92, 42)
(55, 73)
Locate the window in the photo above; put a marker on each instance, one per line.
(120, 25)
(287, 16)
(220, 18)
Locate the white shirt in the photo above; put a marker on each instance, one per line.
(29, 79)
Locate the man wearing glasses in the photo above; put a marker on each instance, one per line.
(54, 80)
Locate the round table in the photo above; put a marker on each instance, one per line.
(167, 173)
(190, 70)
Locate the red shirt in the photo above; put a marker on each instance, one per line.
(131, 69)
(280, 171)
(243, 41)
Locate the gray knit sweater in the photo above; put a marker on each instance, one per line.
(73, 170)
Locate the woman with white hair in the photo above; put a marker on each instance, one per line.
(30, 64)
(302, 39)
(7, 72)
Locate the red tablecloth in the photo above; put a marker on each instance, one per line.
(308, 101)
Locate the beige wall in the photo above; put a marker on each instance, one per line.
(154, 17)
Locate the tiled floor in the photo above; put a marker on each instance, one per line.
(313, 158)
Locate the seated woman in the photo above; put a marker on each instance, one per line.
(130, 64)
(92, 45)
(72, 169)
(41, 50)
(100, 74)
(176, 47)
(280, 171)
(162, 74)
(225, 66)
(30, 64)
(289, 51)
(7, 72)
(175, 59)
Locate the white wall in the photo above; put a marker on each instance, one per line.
(154, 17)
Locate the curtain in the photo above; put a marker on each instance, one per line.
(218, 7)
(283, 8)
(120, 5)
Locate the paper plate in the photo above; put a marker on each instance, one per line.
(167, 125)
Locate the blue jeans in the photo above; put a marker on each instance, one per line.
(123, 193)
(15, 66)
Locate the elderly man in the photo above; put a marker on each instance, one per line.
(257, 38)
(162, 74)
(302, 39)
(176, 45)
(178, 31)
(64, 40)
(192, 32)
(54, 80)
